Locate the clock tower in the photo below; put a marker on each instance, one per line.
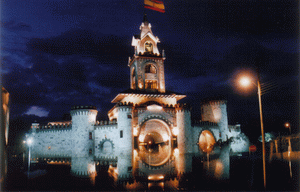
(147, 64)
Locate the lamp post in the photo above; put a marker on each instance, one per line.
(288, 125)
(246, 82)
(29, 142)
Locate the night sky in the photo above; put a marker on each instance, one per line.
(60, 53)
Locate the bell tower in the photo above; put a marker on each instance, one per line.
(147, 64)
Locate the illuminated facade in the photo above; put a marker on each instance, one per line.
(4, 136)
(148, 133)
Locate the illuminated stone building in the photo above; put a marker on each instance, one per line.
(4, 136)
(148, 133)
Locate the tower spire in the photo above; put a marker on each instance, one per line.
(145, 19)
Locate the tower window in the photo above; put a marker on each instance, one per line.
(121, 134)
(148, 47)
(90, 135)
(133, 78)
(150, 84)
(150, 68)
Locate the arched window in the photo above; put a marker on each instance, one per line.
(148, 47)
(133, 78)
(107, 147)
(151, 84)
(150, 68)
(206, 141)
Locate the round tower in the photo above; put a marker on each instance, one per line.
(125, 141)
(184, 138)
(216, 111)
(83, 121)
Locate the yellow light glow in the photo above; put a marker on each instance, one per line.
(176, 151)
(206, 141)
(29, 141)
(165, 137)
(287, 125)
(154, 107)
(155, 177)
(140, 85)
(175, 131)
(135, 131)
(219, 169)
(245, 81)
(141, 138)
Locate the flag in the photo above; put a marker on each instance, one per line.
(154, 5)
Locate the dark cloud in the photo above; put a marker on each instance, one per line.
(83, 42)
(247, 17)
(13, 26)
(107, 69)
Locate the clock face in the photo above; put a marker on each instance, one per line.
(148, 47)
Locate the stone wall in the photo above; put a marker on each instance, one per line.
(52, 143)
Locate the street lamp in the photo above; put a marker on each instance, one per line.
(29, 142)
(288, 125)
(245, 82)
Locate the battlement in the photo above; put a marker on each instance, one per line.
(113, 122)
(213, 102)
(182, 107)
(83, 107)
(111, 126)
(124, 104)
(204, 123)
(52, 126)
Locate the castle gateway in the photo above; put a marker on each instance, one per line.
(148, 133)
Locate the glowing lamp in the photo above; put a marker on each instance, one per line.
(165, 137)
(135, 131)
(154, 107)
(29, 141)
(287, 125)
(245, 81)
(175, 132)
(176, 151)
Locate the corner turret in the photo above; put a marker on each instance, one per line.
(83, 121)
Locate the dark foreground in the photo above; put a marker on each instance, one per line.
(245, 174)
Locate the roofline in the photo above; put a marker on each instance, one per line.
(149, 95)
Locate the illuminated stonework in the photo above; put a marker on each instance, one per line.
(148, 133)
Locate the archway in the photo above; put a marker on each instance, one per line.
(206, 141)
(154, 142)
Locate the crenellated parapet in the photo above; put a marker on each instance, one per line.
(182, 107)
(124, 104)
(47, 156)
(36, 127)
(83, 107)
(83, 111)
(55, 130)
(106, 127)
(213, 102)
(156, 116)
(106, 158)
(83, 174)
(112, 122)
(54, 159)
(204, 123)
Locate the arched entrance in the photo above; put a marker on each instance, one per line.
(154, 142)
